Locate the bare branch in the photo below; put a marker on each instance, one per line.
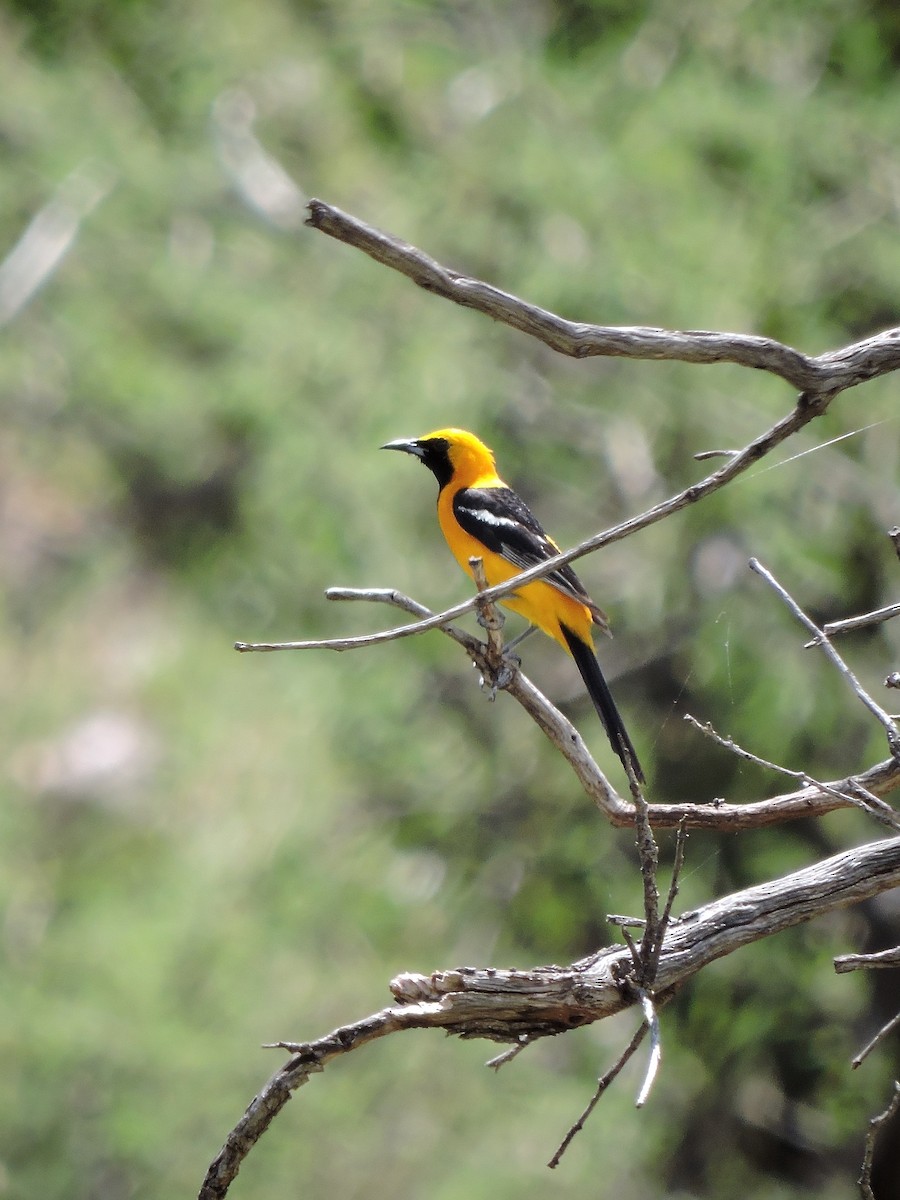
(518, 1007)
(879, 1037)
(308, 1058)
(865, 962)
(832, 372)
(865, 1180)
(811, 800)
(508, 1006)
(602, 1084)
(806, 409)
(666, 918)
(648, 854)
(849, 624)
(855, 795)
(893, 734)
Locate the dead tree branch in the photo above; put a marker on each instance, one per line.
(854, 795)
(893, 734)
(509, 1006)
(828, 373)
(813, 799)
(851, 624)
(808, 407)
(517, 1007)
(881, 960)
(875, 1125)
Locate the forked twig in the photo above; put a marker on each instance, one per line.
(875, 1125)
(893, 734)
(850, 624)
(807, 801)
(854, 794)
(505, 1005)
(805, 410)
(602, 1084)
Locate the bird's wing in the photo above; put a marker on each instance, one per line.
(505, 525)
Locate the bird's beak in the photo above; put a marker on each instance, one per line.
(407, 445)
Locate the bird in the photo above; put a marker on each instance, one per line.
(482, 517)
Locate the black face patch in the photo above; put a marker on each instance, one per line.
(435, 454)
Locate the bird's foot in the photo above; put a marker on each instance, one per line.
(497, 675)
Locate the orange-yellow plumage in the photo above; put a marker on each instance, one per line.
(481, 517)
(540, 603)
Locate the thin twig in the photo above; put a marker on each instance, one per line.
(881, 959)
(501, 1060)
(875, 1124)
(882, 1033)
(808, 801)
(678, 864)
(602, 1084)
(633, 949)
(893, 734)
(855, 795)
(805, 410)
(878, 617)
(704, 455)
(648, 853)
(622, 922)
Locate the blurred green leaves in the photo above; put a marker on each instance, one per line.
(202, 852)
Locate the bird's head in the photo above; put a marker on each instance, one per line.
(450, 454)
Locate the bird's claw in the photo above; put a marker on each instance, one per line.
(498, 676)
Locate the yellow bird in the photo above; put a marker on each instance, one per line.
(481, 517)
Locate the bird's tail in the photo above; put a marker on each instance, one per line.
(598, 690)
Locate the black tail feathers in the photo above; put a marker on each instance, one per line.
(598, 690)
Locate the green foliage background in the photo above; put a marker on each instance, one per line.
(200, 852)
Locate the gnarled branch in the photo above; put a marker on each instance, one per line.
(509, 1006)
(812, 799)
(517, 1007)
(832, 372)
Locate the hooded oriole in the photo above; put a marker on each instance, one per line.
(481, 517)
